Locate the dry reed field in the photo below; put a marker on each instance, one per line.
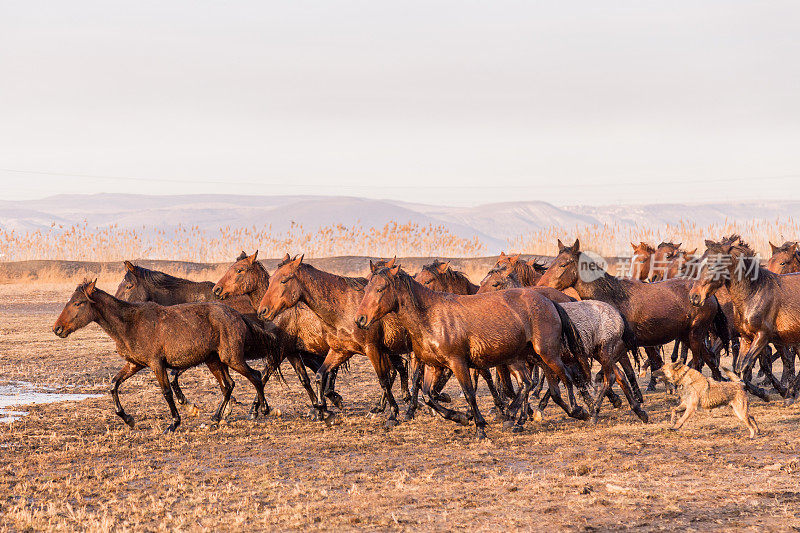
(76, 466)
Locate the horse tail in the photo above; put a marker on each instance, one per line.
(570, 335)
(721, 329)
(628, 336)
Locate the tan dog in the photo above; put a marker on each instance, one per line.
(696, 390)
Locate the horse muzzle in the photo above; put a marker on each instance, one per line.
(362, 322)
(696, 300)
(219, 293)
(61, 331)
(267, 314)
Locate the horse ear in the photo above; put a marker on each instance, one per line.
(443, 267)
(287, 258)
(130, 266)
(709, 243)
(242, 255)
(394, 270)
(774, 248)
(390, 264)
(514, 259)
(252, 259)
(693, 252)
(632, 246)
(88, 289)
(561, 246)
(793, 248)
(298, 259)
(576, 247)
(372, 267)
(502, 254)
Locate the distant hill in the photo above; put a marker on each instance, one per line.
(493, 224)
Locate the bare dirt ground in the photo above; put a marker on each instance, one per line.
(76, 466)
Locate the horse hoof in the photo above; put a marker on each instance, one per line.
(170, 429)
(391, 422)
(266, 410)
(128, 419)
(336, 400)
(616, 403)
(329, 419)
(443, 397)
(463, 419)
(642, 414)
(409, 415)
(480, 434)
(517, 429)
(581, 414)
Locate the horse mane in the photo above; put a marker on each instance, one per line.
(352, 282)
(158, 278)
(787, 245)
(665, 244)
(647, 247)
(450, 274)
(407, 282)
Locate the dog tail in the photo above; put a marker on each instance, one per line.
(731, 374)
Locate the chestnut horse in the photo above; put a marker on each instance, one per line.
(785, 258)
(463, 332)
(178, 336)
(527, 272)
(663, 256)
(641, 261)
(301, 334)
(766, 305)
(657, 312)
(334, 299)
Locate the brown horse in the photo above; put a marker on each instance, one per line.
(163, 337)
(641, 261)
(527, 272)
(301, 334)
(766, 305)
(463, 332)
(657, 312)
(334, 299)
(663, 256)
(440, 276)
(785, 258)
(683, 264)
(144, 285)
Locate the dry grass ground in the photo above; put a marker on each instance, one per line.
(76, 466)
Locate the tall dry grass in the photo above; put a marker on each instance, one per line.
(190, 243)
(614, 241)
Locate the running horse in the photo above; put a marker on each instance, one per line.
(657, 313)
(766, 305)
(641, 260)
(462, 332)
(662, 257)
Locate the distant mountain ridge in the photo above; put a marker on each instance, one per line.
(493, 224)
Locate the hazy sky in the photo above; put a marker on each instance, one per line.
(456, 102)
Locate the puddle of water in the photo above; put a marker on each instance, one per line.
(21, 393)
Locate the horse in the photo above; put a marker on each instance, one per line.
(766, 305)
(440, 276)
(178, 336)
(463, 332)
(641, 260)
(663, 256)
(785, 258)
(528, 272)
(144, 285)
(657, 312)
(683, 264)
(141, 284)
(301, 334)
(334, 300)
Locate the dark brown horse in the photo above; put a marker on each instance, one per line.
(144, 285)
(164, 337)
(440, 276)
(766, 305)
(301, 334)
(656, 312)
(663, 256)
(527, 272)
(785, 258)
(683, 264)
(464, 332)
(334, 299)
(641, 260)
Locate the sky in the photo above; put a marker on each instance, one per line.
(444, 102)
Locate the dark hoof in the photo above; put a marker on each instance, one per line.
(595, 418)
(580, 413)
(335, 399)
(313, 414)
(508, 424)
(171, 428)
(128, 419)
(329, 418)
(480, 434)
(651, 387)
(616, 402)
(463, 419)
(517, 429)
(443, 397)
(391, 422)
(410, 414)
(266, 410)
(378, 409)
(642, 414)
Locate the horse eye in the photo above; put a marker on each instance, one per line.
(381, 289)
(284, 281)
(783, 263)
(429, 282)
(78, 304)
(239, 271)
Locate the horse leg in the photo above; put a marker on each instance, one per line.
(163, 381)
(444, 375)
(675, 350)
(573, 410)
(402, 369)
(383, 369)
(239, 365)
(536, 378)
(701, 354)
(524, 392)
(486, 374)
(462, 374)
(300, 369)
(607, 370)
(787, 361)
(220, 372)
(332, 361)
(627, 367)
(656, 362)
(176, 388)
(330, 389)
(126, 372)
(415, 382)
(636, 406)
(430, 399)
(745, 363)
